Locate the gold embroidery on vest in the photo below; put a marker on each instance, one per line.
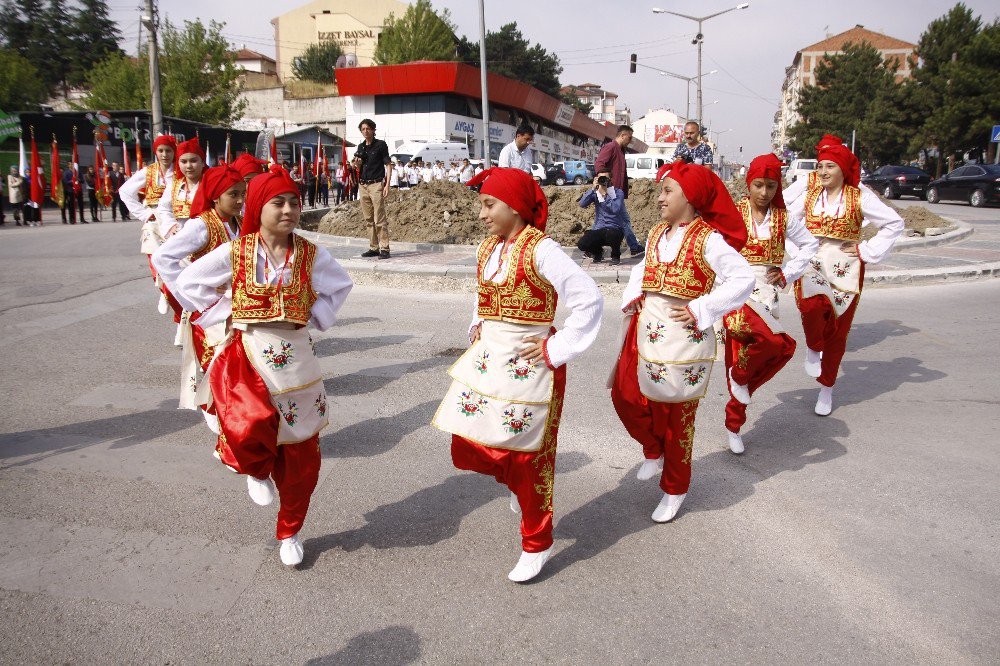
(154, 191)
(217, 234)
(255, 302)
(524, 296)
(764, 250)
(689, 274)
(846, 227)
(182, 207)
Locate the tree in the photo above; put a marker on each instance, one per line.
(419, 34)
(94, 37)
(198, 77)
(508, 53)
(20, 86)
(317, 62)
(855, 91)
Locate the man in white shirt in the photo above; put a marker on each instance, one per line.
(518, 153)
(465, 172)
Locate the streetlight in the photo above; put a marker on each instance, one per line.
(717, 135)
(689, 79)
(699, 38)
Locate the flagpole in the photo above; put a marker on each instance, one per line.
(319, 147)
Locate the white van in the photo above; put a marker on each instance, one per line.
(799, 169)
(431, 151)
(644, 165)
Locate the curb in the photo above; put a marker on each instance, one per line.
(963, 231)
(920, 276)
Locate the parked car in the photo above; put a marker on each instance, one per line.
(978, 184)
(554, 175)
(895, 181)
(538, 171)
(644, 165)
(576, 171)
(799, 169)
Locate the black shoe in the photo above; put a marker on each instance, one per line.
(615, 261)
(370, 253)
(85, 222)
(598, 258)
(588, 255)
(638, 253)
(383, 254)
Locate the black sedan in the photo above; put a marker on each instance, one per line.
(893, 182)
(554, 175)
(978, 184)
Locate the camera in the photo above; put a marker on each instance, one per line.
(603, 181)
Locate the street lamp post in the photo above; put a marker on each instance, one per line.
(717, 135)
(688, 79)
(699, 38)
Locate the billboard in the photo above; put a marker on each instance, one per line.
(668, 133)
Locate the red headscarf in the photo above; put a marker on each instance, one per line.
(767, 166)
(183, 148)
(829, 140)
(709, 196)
(165, 140)
(262, 189)
(248, 165)
(518, 190)
(845, 159)
(214, 182)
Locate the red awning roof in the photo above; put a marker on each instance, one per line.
(457, 78)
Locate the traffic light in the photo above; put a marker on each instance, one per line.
(632, 64)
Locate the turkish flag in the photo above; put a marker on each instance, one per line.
(37, 179)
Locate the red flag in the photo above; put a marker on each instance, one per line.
(138, 155)
(37, 179)
(125, 160)
(343, 153)
(54, 165)
(103, 180)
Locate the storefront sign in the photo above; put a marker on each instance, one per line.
(10, 125)
(564, 116)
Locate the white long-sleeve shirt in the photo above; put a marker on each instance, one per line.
(734, 279)
(800, 245)
(575, 288)
(890, 225)
(169, 258)
(129, 192)
(197, 284)
(165, 209)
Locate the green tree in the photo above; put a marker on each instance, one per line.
(198, 77)
(854, 91)
(508, 53)
(20, 86)
(419, 34)
(317, 62)
(94, 37)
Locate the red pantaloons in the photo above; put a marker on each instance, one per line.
(249, 438)
(755, 354)
(825, 331)
(528, 474)
(662, 428)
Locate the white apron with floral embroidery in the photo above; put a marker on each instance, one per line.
(498, 399)
(150, 240)
(284, 359)
(190, 363)
(764, 298)
(834, 274)
(675, 359)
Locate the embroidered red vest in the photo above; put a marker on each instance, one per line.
(256, 303)
(770, 251)
(524, 297)
(217, 234)
(688, 276)
(153, 191)
(182, 207)
(846, 227)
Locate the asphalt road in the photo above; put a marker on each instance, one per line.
(867, 536)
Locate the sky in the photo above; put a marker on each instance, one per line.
(750, 48)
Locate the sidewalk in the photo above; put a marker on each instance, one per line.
(966, 253)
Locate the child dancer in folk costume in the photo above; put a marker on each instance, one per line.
(142, 193)
(778, 249)
(213, 223)
(670, 306)
(265, 380)
(834, 209)
(504, 404)
(249, 166)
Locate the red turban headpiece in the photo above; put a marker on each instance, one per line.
(183, 148)
(518, 190)
(845, 159)
(165, 140)
(214, 182)
(709, 196)
(248, 165)
(262, 189)
(829, 140)
(767, 166)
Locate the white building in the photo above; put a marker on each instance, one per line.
(662, 130)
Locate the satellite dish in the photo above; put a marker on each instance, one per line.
(347, 60)
(263, 149)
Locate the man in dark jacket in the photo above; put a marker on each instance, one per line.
(117, 177)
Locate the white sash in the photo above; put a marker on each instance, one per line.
(150, 240)
(764, 298)
(190, 363)
(834, 274)
(675, 360)
(497, 399)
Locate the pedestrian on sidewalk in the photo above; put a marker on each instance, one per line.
(610, 162)
(324, 186)
(694, 150)
(504, 404)
(779, 249)
(609, 222)
(670, 307)
(15, 194)
(834, 209)
(374, 183)
(117, 178)
(71, 186)
(518, 153)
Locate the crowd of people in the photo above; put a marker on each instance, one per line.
(243, 289)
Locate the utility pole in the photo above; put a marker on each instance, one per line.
(483, 85)
(150, 20)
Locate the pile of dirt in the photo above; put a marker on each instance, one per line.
(446, 212)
